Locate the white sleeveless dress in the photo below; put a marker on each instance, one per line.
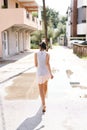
(42, 71)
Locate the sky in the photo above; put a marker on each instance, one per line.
(58, 5)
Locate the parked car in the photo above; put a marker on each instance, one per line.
(84, 43)
(75, 41)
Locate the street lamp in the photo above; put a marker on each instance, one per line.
(45, 22)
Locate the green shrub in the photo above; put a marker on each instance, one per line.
(34, 46)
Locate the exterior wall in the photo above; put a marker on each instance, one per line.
(5, 45)
(23, 40)
(68, 23)
(82, 29)
(81, 3)
(1, 3)
(78, 20)
(21, 43)
(11, 48)
(0, 46)
(17, 16)
(12, 42)
(26, 41)
(68, 30)
(11, 3)
(17, 25)
(82, 17)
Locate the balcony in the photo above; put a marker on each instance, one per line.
(18, 17)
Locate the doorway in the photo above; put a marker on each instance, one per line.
(5, 43)
(17, 49)
(5, 2)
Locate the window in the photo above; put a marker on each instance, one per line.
(5, 3)
(16, 5)
(84, 6)
(27, 14)
(4, 36)
(82, 15)
(83, 21)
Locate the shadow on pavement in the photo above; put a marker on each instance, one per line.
(32, 122)
(13, 58)
(5, 62)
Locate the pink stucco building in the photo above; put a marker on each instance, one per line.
(16, 25)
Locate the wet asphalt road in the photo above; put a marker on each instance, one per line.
(20, 106)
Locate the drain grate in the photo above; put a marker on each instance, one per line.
(74, 83)
(77, 84)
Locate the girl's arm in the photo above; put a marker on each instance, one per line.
(35, 59)
(48, 64)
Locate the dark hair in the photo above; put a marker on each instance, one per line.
(43, 45)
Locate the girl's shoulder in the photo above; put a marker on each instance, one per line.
(47, 53)
(36, 52)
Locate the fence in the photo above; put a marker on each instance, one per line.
(80, 50)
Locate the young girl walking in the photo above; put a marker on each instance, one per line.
(42, 63)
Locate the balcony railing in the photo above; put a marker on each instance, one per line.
(17, 16)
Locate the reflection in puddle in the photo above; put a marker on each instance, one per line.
(23, 87)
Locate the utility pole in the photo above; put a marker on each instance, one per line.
(45, 22)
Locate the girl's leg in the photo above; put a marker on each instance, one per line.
(45, 88)
(42, 95)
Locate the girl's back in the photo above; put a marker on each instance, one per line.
(42, 68)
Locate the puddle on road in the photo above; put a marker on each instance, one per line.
(85, 96)
(69, 73)
(76, 84)
(81, 87)
(23, 87)
(67, 124)
(54, 70)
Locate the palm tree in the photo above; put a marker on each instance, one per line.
(45, 22)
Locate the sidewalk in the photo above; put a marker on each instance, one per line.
(66, 106)
(15, 65)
